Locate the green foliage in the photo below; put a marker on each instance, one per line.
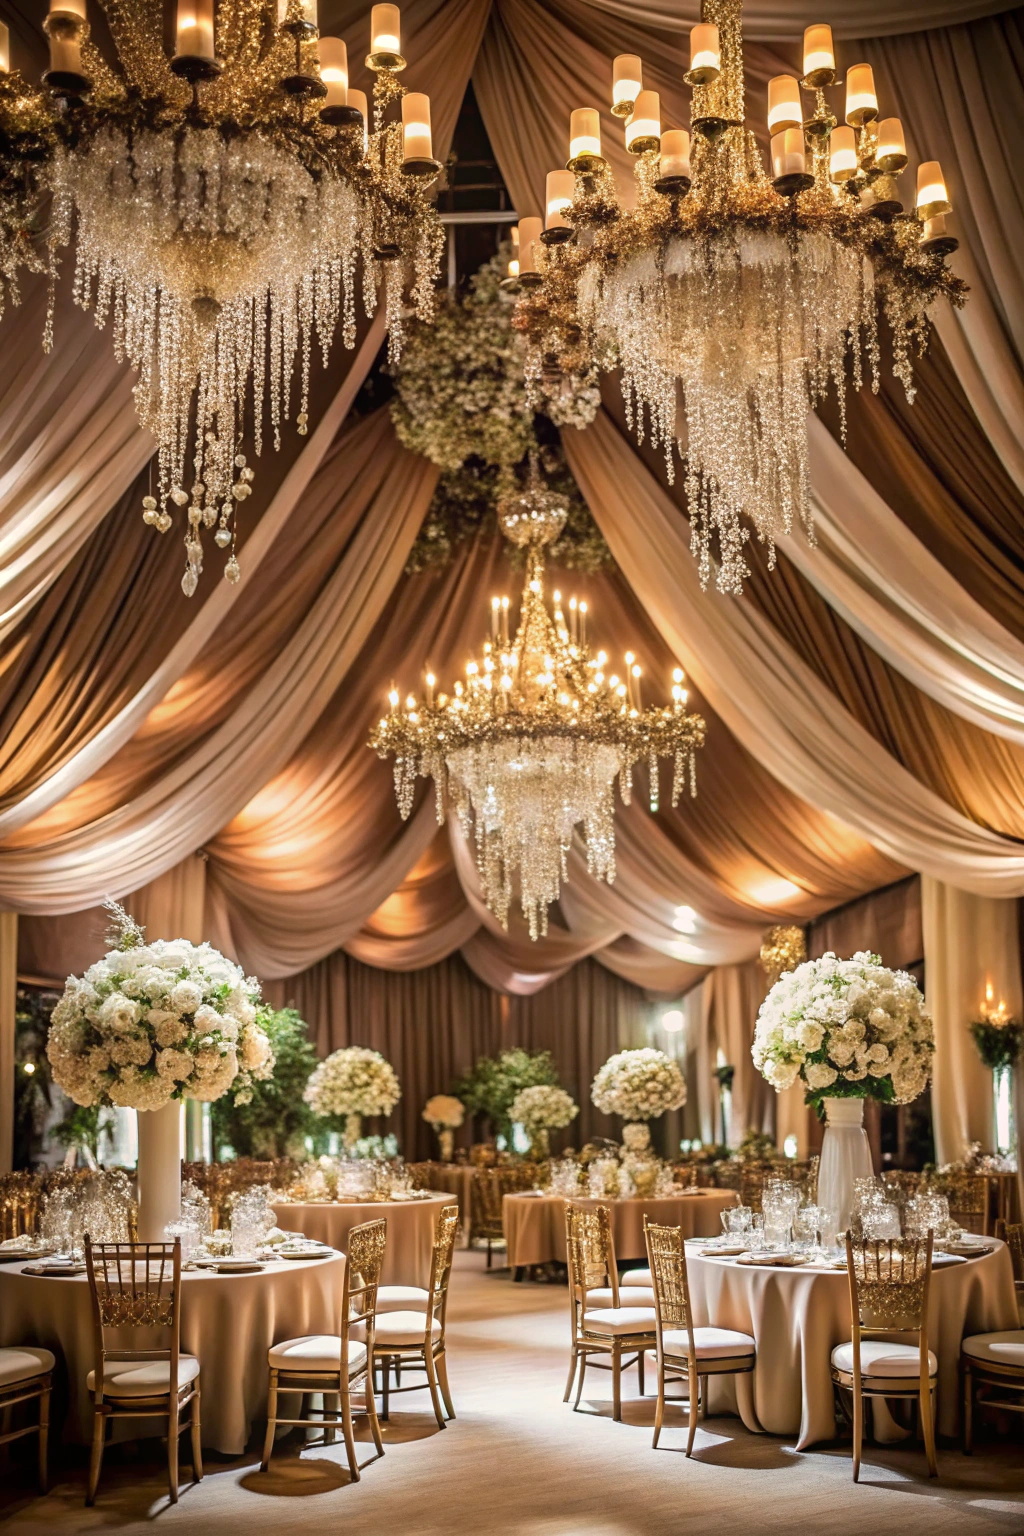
(489, 1088)
(33, 1091)
(82, 1127)
(998, 1044)
(276, 1121)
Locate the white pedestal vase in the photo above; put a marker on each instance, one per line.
(159, 1170)
(845, 1156)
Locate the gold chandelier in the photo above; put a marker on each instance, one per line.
(529, 746)
(221, 201)
(750, 292)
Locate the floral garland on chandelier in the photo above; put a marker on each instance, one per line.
(461, 401)
(220, 201)
(159, 1021)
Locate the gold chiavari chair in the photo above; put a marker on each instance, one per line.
(335, 1364)
(137, 1286)
(992, 1364)
(413, 1338)
(601, 1325)
(686, 1353)
(20, 1194)
(889, 1284)
(1013, 1234)
(967, 1194)
(490, 1186)
(26, 1373)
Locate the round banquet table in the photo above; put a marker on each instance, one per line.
(535, 1224)
(227, 1321)
(453, 1179)
(411, 1226)
(797, 1317)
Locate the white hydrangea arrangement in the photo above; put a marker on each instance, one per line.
(638, 1085)
(159, 1021)
(543, 1109)
(846, 1028)
(444, 1112)
(353, 1082)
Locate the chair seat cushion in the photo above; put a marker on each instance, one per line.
(401, 1298)
(709, 1343)
(641, 1277)
(403, 1330)
(616, 1320)
(143, 1378)
(20, 1362)
(315, 1352)
(636, 1296)
(879, 1358)
(997, 1348)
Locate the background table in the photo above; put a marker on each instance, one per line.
(227, 1321)
(535, 1224)
(411, 1226)
(451, 1179)
(798, 1316)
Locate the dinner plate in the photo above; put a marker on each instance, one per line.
(231, 1266)
(58, 1271)
(307, 1253)
(776, 1260)
(727, 1251)
(19, 1255)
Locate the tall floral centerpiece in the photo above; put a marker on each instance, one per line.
(540, 1111)
(639, 1085)
(445, 1113)
(849, 1030)
(150, 1025)
(353, 1082)
(999, 1037)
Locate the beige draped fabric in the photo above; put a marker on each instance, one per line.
(970, 942)
(770, 19)
(732, 995)
(766, 695)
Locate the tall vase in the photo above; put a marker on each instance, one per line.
(845, 1156)
(540, 1143)
(446, 1137)
(353, 1131)
(159, 1170)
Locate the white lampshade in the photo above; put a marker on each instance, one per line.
(585, 133)
(643, 129)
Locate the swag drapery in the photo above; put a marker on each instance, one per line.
(865, 701)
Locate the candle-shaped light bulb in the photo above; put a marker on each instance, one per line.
(5, 49)
(431, 679)
(643, 129)
(675, 154)
(393, 698)
(819, 55)
(627, 83)
(842, 162)
(784, 106)
(891, 149)
(385, 29)
(194, 36)
(529, 233)
(932, 197)
(705, 54)
(358, 100)
(334, 71)
(416, 136)
(861, 98)
(637, 672)
(558, 194)
(789, 155)
(585, 133)
(677, 675)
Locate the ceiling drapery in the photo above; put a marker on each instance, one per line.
(865, 701)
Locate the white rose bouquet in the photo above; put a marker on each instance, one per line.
(638, 1085)
(846, 1029)
(353, 1082)
(540, 1110)
(153, 1022)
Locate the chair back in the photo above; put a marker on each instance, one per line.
(751, 1184)
(590, 1254)
(889, 1285)
(19, 1203)
(134, 1287)
(666, 1257)
(441, 1261)
(1014, 1232)
(490, 1186)
(967, 1194)
(364, 1260)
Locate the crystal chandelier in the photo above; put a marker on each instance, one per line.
(529, 746)
(750, 291)
(220, 201)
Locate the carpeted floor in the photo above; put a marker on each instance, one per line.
(518, 1461)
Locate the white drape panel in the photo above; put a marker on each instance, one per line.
(969, 942)
(786, 19)
(772, 702)
(872, 570)
(732, 994)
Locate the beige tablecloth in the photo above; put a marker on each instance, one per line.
(411, 1225)
(227, 1321)
(454, 1179)
(798, 1316)
(535, 1224)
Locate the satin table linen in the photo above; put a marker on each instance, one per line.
(797, 1316)
(535, 1224)
(410, 1239)
(227, 1321)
